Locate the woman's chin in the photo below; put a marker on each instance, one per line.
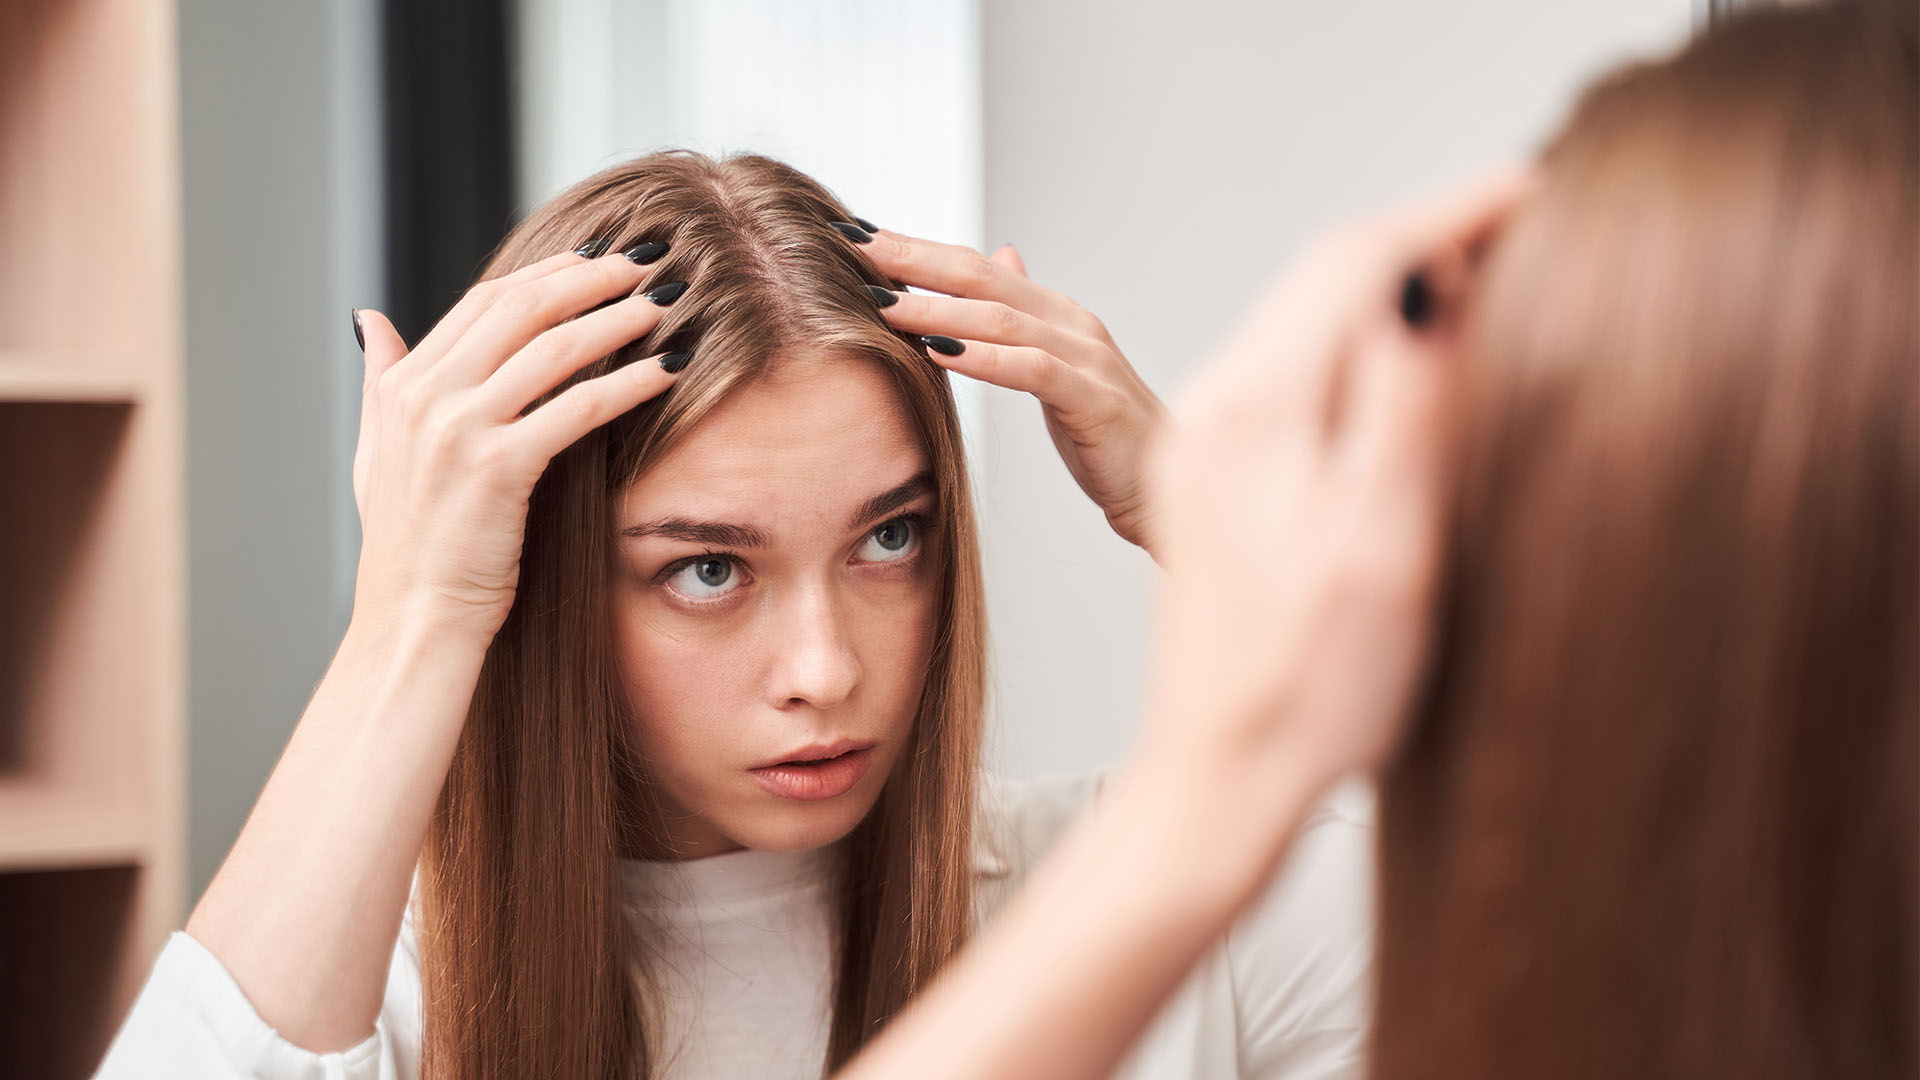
(801, 826)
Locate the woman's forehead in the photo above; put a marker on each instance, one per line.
(808, 435)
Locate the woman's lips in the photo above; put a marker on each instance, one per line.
(815, 780)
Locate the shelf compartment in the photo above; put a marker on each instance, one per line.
(76, 647)
(66, 982)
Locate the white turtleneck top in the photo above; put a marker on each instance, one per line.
(743, 963)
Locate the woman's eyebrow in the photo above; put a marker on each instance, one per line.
(726, 534)
(711, 533)
(890, 500)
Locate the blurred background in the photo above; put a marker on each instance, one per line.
(195, 194)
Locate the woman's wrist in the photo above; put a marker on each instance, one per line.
(383, 628)
(1218, 820)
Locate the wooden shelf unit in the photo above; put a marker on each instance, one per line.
(92, 555)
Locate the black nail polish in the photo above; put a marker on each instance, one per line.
(594, 248)
(1416, 300)
(883, 297)
(675, 362)
(944, 345)
(647, 252)
(666, 294)
(865, 224)
(853, 232)
(585, 250)
(359, 335)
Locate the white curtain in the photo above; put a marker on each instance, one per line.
(878, 100)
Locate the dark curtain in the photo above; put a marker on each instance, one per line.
(450, 147)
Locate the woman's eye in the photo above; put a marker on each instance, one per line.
(707, 578)
(891, 542)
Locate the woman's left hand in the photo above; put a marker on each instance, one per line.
(1013, 333)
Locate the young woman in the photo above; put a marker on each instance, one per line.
(661, 696)
(1658, 810)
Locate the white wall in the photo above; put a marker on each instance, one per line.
(1157, 162)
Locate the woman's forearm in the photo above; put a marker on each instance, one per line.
(1065, 980)
(306, 907)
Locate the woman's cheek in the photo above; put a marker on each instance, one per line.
(903, 641)
(663, 655)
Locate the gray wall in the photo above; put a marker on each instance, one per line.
(1157, 162)
(279, 158)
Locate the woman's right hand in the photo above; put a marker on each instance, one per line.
(1302, 496)
(305, 910)
(446, 461)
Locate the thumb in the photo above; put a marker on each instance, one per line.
(1009, 257)
(380, 342)
(1396, 441)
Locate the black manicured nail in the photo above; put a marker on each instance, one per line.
(359, 336)
(594, 248)
(666, 294)
(1416, 300)
(944, 345)
(675, 362)
(585, 250)
(647, 252)
(865, 224)
(853, 232)
(883, 297)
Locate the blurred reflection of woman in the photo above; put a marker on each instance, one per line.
(1657, 811)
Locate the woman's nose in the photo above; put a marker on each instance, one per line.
(816, 662)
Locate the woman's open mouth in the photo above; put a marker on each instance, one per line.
(810, 779)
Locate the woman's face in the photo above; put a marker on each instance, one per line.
(775, 586)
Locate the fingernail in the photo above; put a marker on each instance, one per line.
(883, 297)
(865, 224)
(853, 232)
(647, 252)
(944, 345)
(594, 248)
(675, 362)
(1416, 300)
(359, 335)
(666, 294)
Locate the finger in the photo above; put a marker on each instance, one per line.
(1058, 384)
(983, 320)
(554, 356)
(1288, 356)
(1447, 236)
(1354, 274)
(1466, 216)
(1392, 442)
(962, 271)
(381, 342)
(1009, 256)
(474, 301)
(531, 308)
(579, 409)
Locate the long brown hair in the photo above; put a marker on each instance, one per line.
(1658, 818)
(526, 955)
